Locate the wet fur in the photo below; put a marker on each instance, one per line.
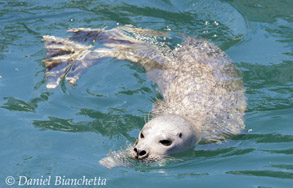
(197, 79)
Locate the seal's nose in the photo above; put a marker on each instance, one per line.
(140, 153)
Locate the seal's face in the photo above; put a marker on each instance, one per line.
(165, 135)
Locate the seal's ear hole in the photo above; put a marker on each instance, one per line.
(166, 142)
(180, 135)
(141, 135)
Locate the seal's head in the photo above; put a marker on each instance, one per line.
(165, 135)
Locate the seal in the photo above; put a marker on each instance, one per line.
(203, 94)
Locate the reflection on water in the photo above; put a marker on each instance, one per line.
(107, 124)
(287, 167)
(14, 104)
(113, 101)
(264, 11)
(265, 173)
(265, 138)
(269, 87)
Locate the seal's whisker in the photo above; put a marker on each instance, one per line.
(148, 116)
(144, 118)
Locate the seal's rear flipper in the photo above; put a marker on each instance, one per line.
(86, 59)
(85, 34)
(69, 59)
(106, 37)
(60, 55)
(124, 35)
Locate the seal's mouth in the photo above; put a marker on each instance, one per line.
(142, 157)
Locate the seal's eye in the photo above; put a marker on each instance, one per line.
(166, 142)
(141, 135)
(180, 135)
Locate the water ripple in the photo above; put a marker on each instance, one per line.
(264, 173)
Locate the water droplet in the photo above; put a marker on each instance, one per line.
(259, 5)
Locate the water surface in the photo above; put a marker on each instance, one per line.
(66, 131)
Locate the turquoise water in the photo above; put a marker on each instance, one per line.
(66, 131)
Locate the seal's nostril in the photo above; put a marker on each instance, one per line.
(142, 153)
